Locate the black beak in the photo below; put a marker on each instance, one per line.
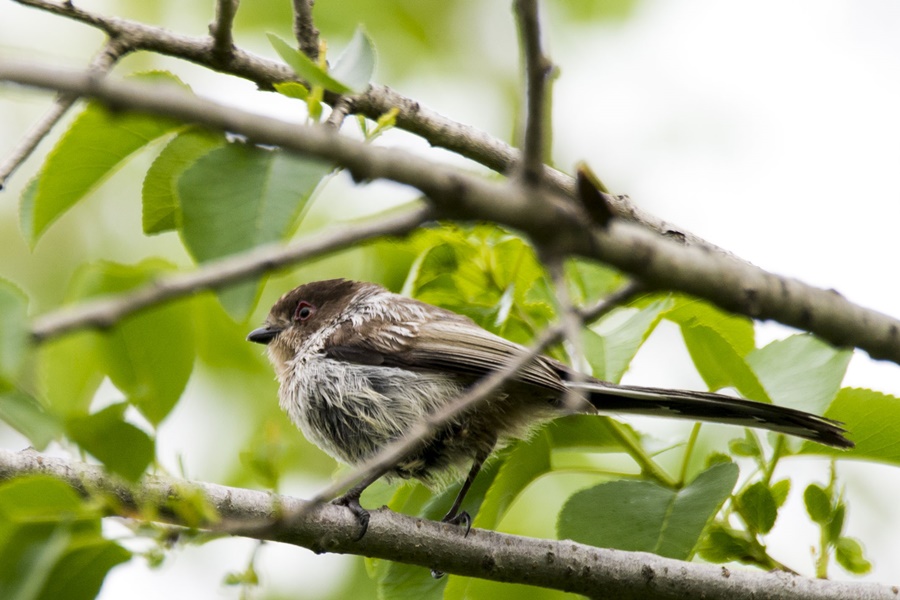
(263, 335)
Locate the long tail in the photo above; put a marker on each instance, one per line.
(715, 408)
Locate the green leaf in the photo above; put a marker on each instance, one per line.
(526, 462)
(148, 356)
(96, 143)
(780, 491)
(305, 68)
(736, 330)
(849, 554)
(836, 523)
(585, 432)
(68, 383)
(356, 64)
(611, 344)
(37, 496)
(801, 371)
(872, 420)
(818, 503)
(238, 197)
(25, 414)
(161, 210)
(758, 508)
(79, 574)
(119, 445)
(724, 544)
(721, 364)
(643, 516)
(14, 332)
(292, 89)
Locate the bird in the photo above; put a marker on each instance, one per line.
(359, 366)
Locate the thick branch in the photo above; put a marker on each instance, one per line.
(105, 312)
(562, 565)
(440, 131)
(733, 285)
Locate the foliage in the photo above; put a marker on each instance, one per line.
(223, 196)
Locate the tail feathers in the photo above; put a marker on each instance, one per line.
(715, 408)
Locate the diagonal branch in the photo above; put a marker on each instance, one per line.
(108, 56)
(537, 72)
(106, 312)
(412, 116)
(556, 222)
(485, 554)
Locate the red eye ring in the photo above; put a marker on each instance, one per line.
(304, 311)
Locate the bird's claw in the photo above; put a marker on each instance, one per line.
(351, 501)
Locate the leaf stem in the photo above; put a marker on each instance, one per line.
(688, 451)
(647, 464)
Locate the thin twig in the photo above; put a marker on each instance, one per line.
(537, 71)
(305, 29)
(339, 112)
(106, 312)
(102, 63)
(220, 29)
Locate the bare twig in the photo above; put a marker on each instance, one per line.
(391, 455)
(220, 29)
(338, 113)
(412, 116)
(103, 62)
(305, 29)
(600, 573)
(107, 312)
(732, 284)
(537, 72)
(570, 321)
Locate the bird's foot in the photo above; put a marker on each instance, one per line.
(351, 501)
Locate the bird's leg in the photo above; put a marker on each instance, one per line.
(454, 515)
(351, 500)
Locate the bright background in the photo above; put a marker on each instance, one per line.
(770, 128)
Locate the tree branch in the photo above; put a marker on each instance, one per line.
(111, 52)
(304, 29)
(220, 28)
(412, 116)
(537, 72)
(485, 554)
(106, 312)
(725, 281)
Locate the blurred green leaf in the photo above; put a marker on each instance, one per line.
(161, 210)
(68, 384)
(238, 197)
(757, 507)
(149, 356)
(611, 344)
(585, 432)
(292, 89)
(643, 516)
(79, 573)
(736, 330)
(26, 415)
(724, 544)
(119, 445)
(305, 68)
(836, 523)
(818, 503)
(801, 371)
(720, 364)
(780, 490)
(14, 332)
(356, 64)
(90, 150)
(849, 554)
(872, 420)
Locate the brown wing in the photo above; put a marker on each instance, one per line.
(454, 345)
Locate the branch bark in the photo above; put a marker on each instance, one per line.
(106, 312)
(412, 116)
(557, 222)
(562, 565)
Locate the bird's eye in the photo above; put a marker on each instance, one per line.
(304, 311)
